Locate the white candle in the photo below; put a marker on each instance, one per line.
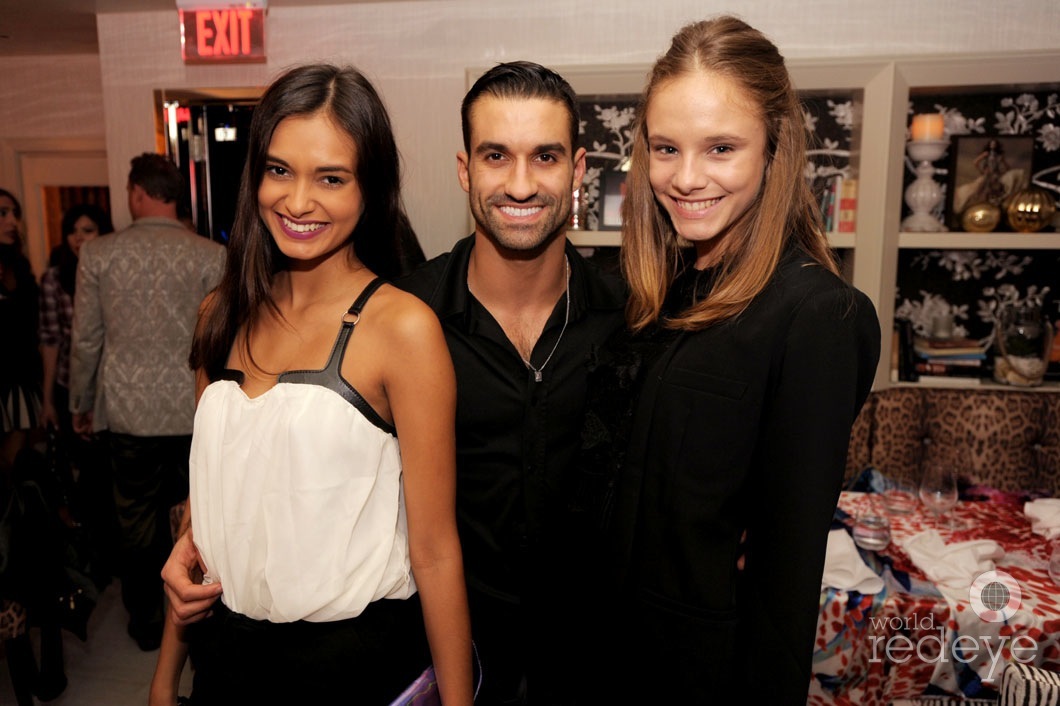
(927, 126)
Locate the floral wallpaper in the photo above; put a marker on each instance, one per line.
(969, 285)
(1034, 115)
(606, 132)
(831, 121)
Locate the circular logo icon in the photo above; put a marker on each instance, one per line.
(995, 596)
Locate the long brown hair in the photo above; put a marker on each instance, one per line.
(383, 238)
(784, 208)
(15, 266)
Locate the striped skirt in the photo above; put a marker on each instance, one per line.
(19, 407)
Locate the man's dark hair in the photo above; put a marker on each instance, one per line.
(521, 79)
(158, 176)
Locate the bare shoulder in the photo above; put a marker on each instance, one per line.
(409, 337)
(408, 319)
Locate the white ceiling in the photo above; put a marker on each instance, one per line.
(29, 27)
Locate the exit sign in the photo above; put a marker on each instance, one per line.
(222, 36)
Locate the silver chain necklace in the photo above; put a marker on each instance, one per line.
(566, 319)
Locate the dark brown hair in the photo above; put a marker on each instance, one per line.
(11, 257)
(17, 206)
(158, 176)
(521, 80)
(63, 256)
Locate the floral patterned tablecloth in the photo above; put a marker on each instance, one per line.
(910, 640)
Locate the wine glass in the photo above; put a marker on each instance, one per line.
(938, 490)
(1054, 561)
(899, 496)
(872, 529)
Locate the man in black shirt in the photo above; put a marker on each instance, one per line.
(522, 313)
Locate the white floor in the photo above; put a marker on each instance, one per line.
(107, 670)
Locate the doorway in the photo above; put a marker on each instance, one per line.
(50, 167)
(206, 133)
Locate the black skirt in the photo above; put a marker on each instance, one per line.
(365, 660)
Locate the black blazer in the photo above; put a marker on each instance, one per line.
(740, 427)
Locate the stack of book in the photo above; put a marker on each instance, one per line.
(949, 357)
(839, 204)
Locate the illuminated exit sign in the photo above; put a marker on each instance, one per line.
(222, 36)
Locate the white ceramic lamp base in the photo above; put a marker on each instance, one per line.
(924, 194)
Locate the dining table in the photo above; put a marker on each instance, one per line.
(916, 637)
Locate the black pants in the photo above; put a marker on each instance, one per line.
(150, 476)
(540, 652)
(362, 661)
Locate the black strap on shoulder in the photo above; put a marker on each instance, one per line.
(362, 298)
(330, 375)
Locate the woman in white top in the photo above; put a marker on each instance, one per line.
(322, 466)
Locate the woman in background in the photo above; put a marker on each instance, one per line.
(91, 497)
(81, 223)
(760, 357)
(323, 461)
(26, 585)
(20, 364)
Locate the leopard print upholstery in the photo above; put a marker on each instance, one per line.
(1048, 450)
(1006, 439)
(858, 453)
(897, 433)
(12, 619)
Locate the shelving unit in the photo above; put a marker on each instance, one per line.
(986, 384)
(980, 241)
(884, 87)
(969, 75)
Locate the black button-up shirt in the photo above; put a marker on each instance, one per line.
(516, 438)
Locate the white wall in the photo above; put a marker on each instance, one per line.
(46, 98)
(417, 53)
(50, 96)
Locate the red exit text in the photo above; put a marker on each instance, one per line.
(222, 36)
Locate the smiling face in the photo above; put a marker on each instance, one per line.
(309, 197)
(707, 157)
(521, 171)
(8, 222)
(85, 229)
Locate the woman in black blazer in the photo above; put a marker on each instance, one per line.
(757, 357)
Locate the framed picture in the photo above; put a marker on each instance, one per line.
(986, 169)
(613, 186)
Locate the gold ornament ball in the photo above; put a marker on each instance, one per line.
(980, 218)
(1030, 209)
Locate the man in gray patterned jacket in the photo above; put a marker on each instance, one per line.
(138, 295)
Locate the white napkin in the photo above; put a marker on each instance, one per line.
(1044, 515)
(952, 565)
(844, 568)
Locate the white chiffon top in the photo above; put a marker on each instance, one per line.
(297, 505)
